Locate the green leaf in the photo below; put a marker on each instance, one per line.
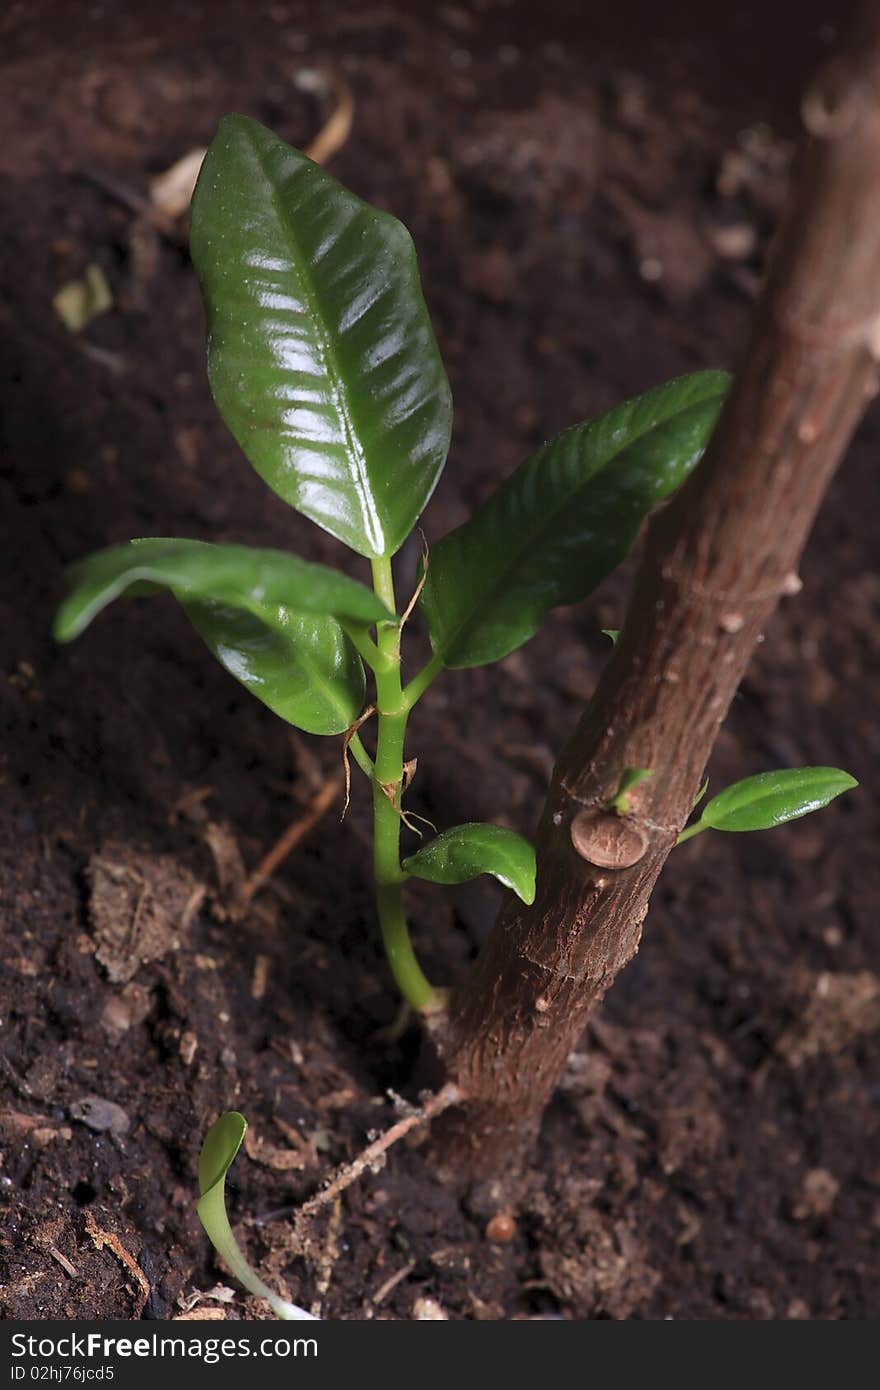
(772, 798)
(237, 575)
(303, 667)
(467, 851)
(563, 520)
(268, 617)
(630, 778)
(222, 1143)
(321, 355)
(612, 633)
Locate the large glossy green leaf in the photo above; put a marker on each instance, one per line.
(321, 355)
(267, 617)
(772, 798)
(238, 575)
(563, 520)
(467, 851)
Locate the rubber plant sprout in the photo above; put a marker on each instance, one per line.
(324, 366)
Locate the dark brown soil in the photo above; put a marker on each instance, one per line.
(586, 228)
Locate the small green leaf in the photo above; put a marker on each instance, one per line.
(467, 851)
(267, 617)
(612, 633)
(563, 520)
(700, 794)
(772, 798)
(222, 1143)
(321, 355)
(630, 778)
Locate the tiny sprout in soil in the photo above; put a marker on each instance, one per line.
(222, 1143)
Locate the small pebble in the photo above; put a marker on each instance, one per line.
(100, 1115)
(429, 1310)
(501, 1229)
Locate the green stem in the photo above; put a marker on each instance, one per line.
(360, 755)
(212, 1214)
(419, 684)
(387, 783)
(696, 829)
(364, 644)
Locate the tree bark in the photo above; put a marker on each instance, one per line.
(715, 563)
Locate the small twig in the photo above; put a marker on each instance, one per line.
(100, 1239)
(330, 138)
(348, 1173)
(260, 977)
(329, 1256)
(63, 1261)
(336, 130)
(391, 1283)
(188, 801)
(290, 839)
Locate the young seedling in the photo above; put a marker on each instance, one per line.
(222, 1143)
(323, 363)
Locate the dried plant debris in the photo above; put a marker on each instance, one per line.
(140, 907)
(80, 301)
(172, 190)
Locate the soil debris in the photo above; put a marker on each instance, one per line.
(100, 1115)
(838, 1009)
(140, 907)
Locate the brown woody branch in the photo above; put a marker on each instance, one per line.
(716, 561)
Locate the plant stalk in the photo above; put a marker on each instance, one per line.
(696, 829)
(420, 682)
(393, 712)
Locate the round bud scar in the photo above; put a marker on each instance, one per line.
(608, 840)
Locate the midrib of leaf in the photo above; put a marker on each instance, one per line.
(315, 677)
(359, 476)
(518, 552)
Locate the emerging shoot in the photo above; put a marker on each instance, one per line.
(222, 1143)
